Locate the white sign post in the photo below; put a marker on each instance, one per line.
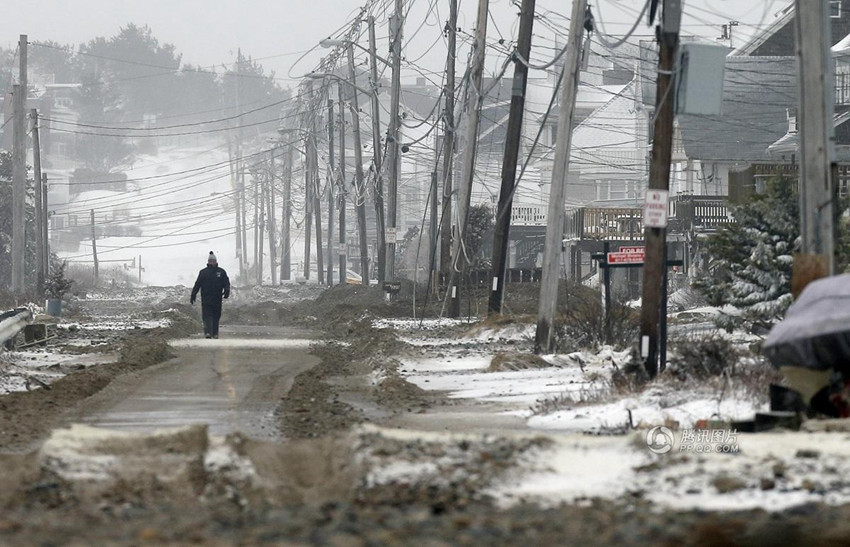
(655, 209)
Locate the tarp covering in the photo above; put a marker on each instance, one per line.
(816, 330)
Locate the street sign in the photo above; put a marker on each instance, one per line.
(390, 234)
(655, 209)
(622, 257)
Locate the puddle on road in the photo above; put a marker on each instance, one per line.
(241, 343)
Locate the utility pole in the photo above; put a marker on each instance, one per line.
(359, 190)
(19, 173)
(94, 249)
(261, 226)
(40, 204)
(394, 148)
(381, 232)
(432, 228)
(659, 179)
(544, 338)
(140, 268)
(234, 177)
(448, 146)
(330, 191)
(473, 115)
(45, 232)
(240, 169)
(317, 212)
(272, 220)
(817, 142)
(308, 202)
(501, 235)
(258, 247)
(285, 244)
(343, 251)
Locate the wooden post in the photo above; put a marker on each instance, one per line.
(272, 221)
(317, 214)
(261, 226)
(330, 247)
(476, 100)
(308, 203)
(501, 235)
(359, 190)
(285, 244)
(94, 249)
(448, 146)
(393, 133)
(381, 251)
(659, 179)
(815, 115)
(343, 251)
(39, 203)
(544, 340)
(45, 223)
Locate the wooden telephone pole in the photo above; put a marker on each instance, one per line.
(654, 266)
(544, 339)
(40, 204)
(94, 249)
(476, 100)
(19, 172)
(272, 221)
(359, 190)
(501, 235)
(380, 232)
(285, 243)
(817, 143)
(393, 145)
(448, 146)
(330, 192)
(343, 247)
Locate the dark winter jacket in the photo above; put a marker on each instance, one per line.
(213, 284)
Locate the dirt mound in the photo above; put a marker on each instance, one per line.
(508, 361)
(27, 416)
(393, 391)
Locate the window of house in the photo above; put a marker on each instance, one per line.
(835, 9)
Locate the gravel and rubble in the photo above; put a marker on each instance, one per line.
(576, 465)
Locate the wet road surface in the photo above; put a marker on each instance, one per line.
(231, 384)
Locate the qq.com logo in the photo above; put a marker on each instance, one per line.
(659, 440)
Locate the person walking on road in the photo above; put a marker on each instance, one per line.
(214, 285)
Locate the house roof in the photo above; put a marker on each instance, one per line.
(757, 92)
(790, 142)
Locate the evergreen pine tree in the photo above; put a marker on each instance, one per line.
(750, 266)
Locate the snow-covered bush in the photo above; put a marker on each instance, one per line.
(750, 259)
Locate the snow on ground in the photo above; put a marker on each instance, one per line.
(118, 324)
(772, 471)
(655, 406)
(27, 370)
(467, 378)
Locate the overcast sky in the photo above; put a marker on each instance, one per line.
(208, 32)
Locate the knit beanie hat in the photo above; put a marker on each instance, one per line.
(212, 258)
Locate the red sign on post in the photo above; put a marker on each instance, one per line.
(627, 255)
